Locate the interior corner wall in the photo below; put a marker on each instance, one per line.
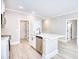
(12, 26)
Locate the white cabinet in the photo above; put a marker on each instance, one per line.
(50, 48)
(34, 41)
(2, 6)
(4, 48)
(35, 27)
(49, 44)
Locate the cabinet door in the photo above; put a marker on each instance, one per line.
(33, 42)
(4, 49)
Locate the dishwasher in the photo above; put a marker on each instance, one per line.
(39, 44)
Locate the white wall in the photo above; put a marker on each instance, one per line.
(54, 26)
(57, 24)
(12, 26)
(46, 25)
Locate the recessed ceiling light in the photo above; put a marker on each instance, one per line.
(21, 7)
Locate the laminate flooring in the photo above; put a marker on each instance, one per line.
(67, 50)
(23, 51)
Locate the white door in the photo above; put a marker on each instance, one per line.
(27, 30)
(24, 30)
(69, 31)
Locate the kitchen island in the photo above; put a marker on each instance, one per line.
(49, 44)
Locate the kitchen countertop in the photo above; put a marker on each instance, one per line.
(5, 36)
(48, 35)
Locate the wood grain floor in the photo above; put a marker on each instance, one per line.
(67, 50)
(23, 51)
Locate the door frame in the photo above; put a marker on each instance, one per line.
(67, 26)
(28, 28)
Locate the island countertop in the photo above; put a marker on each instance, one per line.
(48, 35)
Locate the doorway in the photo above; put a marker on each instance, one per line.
(72, 30)
(24, 30)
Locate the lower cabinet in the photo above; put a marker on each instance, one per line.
(33, 41)
(4, 48)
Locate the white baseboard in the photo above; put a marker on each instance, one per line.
(50, 55)
(14, 43)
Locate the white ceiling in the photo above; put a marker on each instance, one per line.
(48, 8)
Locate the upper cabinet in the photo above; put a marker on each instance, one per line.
(2, 6)
(36, 26)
